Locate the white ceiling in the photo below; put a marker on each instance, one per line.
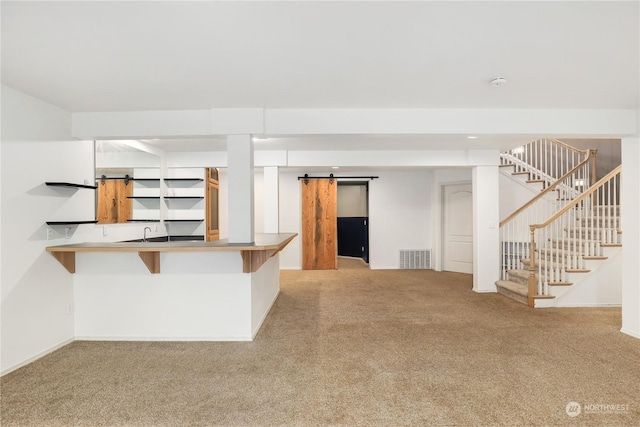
(113, 56)
(90, 56)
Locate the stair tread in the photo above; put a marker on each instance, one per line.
(513, 287)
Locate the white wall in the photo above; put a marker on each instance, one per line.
(290, 219)
(514, 193)
(36, 290)
(36, 147)
(399, 216)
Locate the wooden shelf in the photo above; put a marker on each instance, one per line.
(71, 222)
(70, 185)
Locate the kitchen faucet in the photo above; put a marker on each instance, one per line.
(144, 233)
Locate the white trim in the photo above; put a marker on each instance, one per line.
(161, 339)
(630, 333)
(588, 305)
(37, 356)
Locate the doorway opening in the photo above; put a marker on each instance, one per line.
(353, 220)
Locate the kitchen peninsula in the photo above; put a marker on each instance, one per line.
(194, 290)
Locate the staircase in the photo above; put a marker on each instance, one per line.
(552, 243)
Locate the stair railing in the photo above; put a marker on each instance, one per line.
(514, 230)
(576, 233)
(545, 159)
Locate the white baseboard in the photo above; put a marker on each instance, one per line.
(160, 339)
(589, 305)
(630, 333)
(37, 356)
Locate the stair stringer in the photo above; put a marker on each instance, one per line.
(601, 287)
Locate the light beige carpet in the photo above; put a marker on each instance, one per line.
(352, 347)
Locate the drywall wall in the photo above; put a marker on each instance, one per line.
(37, 311)
(290, 219)
(36, 292)
(514, 193)
(609, 154)
(399, 216)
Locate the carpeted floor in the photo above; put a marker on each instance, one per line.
(352, 347)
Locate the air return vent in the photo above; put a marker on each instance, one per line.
(415, 258)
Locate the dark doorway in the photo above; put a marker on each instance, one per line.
(353, 219)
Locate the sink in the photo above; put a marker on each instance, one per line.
(166, 239)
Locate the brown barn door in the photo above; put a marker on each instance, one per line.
(319, 224)
(114, 206)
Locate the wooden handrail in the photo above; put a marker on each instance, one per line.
(579, 199)
(568, 147)
(547, 190)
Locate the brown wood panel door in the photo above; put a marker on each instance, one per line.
(319, 224)
(113, 204)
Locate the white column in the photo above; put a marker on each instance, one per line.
(240, 176)
(630, 211)
(271, 200)
(486, 242)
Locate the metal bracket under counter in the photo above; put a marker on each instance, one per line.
(253, 255)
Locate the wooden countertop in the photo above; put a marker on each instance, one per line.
(253, 255)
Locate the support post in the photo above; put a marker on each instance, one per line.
(240, 176)
(486, 231)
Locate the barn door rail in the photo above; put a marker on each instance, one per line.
(306, 177)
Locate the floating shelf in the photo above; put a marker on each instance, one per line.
(184, 179)
(184, 197)
(183, 220)
(145, 179)
(143, 220)
(70, 184)
(70, 222)
(143, 197)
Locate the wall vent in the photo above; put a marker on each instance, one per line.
(415, 258)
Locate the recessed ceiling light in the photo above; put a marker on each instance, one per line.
(498, 81)
(335, 167)
(472, 137)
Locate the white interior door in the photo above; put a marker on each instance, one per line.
(458, 228)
